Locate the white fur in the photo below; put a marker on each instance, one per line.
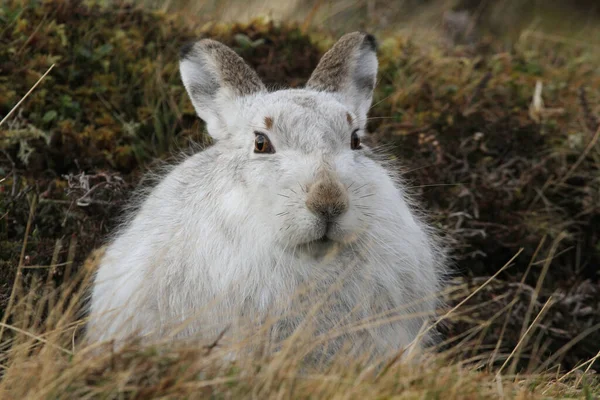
(223, 236)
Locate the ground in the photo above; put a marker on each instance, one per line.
(499, 142)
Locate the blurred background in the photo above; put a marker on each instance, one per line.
(560, 20)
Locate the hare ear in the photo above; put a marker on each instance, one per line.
(350, 69)
(214, 77)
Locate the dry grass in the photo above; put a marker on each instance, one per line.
(44, 359)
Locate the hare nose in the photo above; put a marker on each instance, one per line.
(327, 197)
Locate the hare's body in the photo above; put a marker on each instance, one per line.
(311, 222)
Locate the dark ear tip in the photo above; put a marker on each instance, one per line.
(186, 49)
(370, 41)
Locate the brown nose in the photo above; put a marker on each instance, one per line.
(327, 197)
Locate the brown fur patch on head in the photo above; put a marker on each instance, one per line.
(268, 122)
(349, 118)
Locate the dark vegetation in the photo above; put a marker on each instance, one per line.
(497, 171)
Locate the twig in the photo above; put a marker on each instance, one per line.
(24, 97)
(533, 324)
(389, 364)
(15, 182)
(478, 90)
(71, 252)
(559, 39)
(520, 286)
(214, 344)
(445, 316)
(566, 347)
(590, 119)
(591, 362)
(19, 267)
(38, 338)
(311, 15)
(583, 155)
(534, 296)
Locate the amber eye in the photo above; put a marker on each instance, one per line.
(262, 144)
(355, 141)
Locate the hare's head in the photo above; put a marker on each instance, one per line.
(297, 153)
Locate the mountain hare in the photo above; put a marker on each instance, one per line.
(288, 215)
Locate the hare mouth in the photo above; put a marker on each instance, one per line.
(326, 242)
(320, 248)
(323, 240)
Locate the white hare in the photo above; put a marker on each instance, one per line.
(287, 210)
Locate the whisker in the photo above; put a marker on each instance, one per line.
(381, 101)
(358, 188)
(408, 171)
(283, 195)
(372, 118)
(434, 185)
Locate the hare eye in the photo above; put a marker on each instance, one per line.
(262, 144)
(355, 141)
